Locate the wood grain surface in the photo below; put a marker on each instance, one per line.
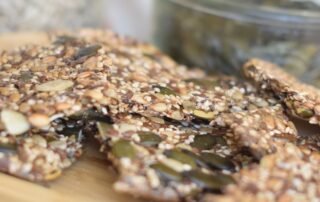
(88, 180)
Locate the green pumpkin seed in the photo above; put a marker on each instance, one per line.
(103, 128)
(165, 90)
(166, 172)
(91, 115)
(8, 147)
(304, 112)
(203, 115)
(204, 142)
(64, 39)
(215, 161)
(122, 149)
(225, 179)
(182, 157)
(26, 76)
(220, 140)
(149, 138)
(87, 51)
(208, 181)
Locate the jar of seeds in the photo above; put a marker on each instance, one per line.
(220, 35)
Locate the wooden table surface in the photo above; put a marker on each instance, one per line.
(88, 180)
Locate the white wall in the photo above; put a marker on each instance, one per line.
(130, 17)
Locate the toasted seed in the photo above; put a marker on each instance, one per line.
(203, 115)
(165, 90)
(39, 120)
(159, 107)
(87, 51)
(208, 181)
(14, 122)
(204, 142)
(304, 112)
(166, 172)
(122, 149)
(215, 161)
(94, 94)
(55, 85)
(149, 138)
(156, 119)
(58, 144)
(182, 157)
(188, 105)
(39, 140)
(53, 175)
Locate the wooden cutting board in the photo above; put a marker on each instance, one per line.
(88, 180)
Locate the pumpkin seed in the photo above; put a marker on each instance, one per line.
(26, 76)
(225, 179)
(149, 138)
(123, 149)
(55, 85)
(304, 112)
(14, 122)
(203, 115)
(166, 172)
(182, 157)
(103, 128)
(165, 90)
(220, 140)
(8, 147)
(215, 161)
(64, 39)
(208, 181)
(87, 51)
(204, 142)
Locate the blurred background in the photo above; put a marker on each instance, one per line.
(127, 17)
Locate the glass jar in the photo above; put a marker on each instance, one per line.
(221, 35)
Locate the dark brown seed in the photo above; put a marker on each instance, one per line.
(166, 172)
(123, 148)
(87, 51)
(215, 161)
(149, 138)
(182, 157)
